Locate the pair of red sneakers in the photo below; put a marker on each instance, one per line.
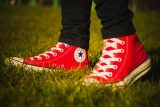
(122, 62)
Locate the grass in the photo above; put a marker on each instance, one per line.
(27, 31)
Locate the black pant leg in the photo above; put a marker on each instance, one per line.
(75, 22)
(116, 18)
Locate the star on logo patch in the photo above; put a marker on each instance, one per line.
(79, 55)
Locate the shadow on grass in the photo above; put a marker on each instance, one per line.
(154, 74)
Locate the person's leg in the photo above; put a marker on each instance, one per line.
(76, 22)
(116, 18)
(123, 58)
(71, 50)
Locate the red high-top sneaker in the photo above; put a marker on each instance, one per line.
(122, 62)
(62, 56)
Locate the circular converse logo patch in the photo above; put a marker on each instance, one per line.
(79, 55)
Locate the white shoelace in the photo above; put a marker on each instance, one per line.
(108, 61)
(50, 51)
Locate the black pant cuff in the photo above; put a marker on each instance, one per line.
(117, 34)
(84, 44)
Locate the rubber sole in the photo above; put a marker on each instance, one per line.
(18, 62)
(134, 75)
(128, 80)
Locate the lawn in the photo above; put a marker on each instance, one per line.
(27, 31)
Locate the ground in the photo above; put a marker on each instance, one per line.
(27, 31)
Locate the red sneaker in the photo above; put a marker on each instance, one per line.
(122, 62)
(62, 56)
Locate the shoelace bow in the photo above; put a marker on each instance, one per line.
(50, 51)
(103, 67)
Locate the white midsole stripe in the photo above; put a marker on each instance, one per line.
(135, 74)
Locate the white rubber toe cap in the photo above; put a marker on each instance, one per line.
(15, 61)
(20, 62)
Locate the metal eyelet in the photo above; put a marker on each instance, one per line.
(54, 65)
(55, 54)
(62, 65)
(47, 57)
(110, 74)
(115, 67)
(122, 50)
(61, 50)
(67, 46)
(52, 49)
(123, 42)
(119, 59)
(39, 58)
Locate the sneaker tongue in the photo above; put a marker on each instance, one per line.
(59, 45)
(109, 40)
